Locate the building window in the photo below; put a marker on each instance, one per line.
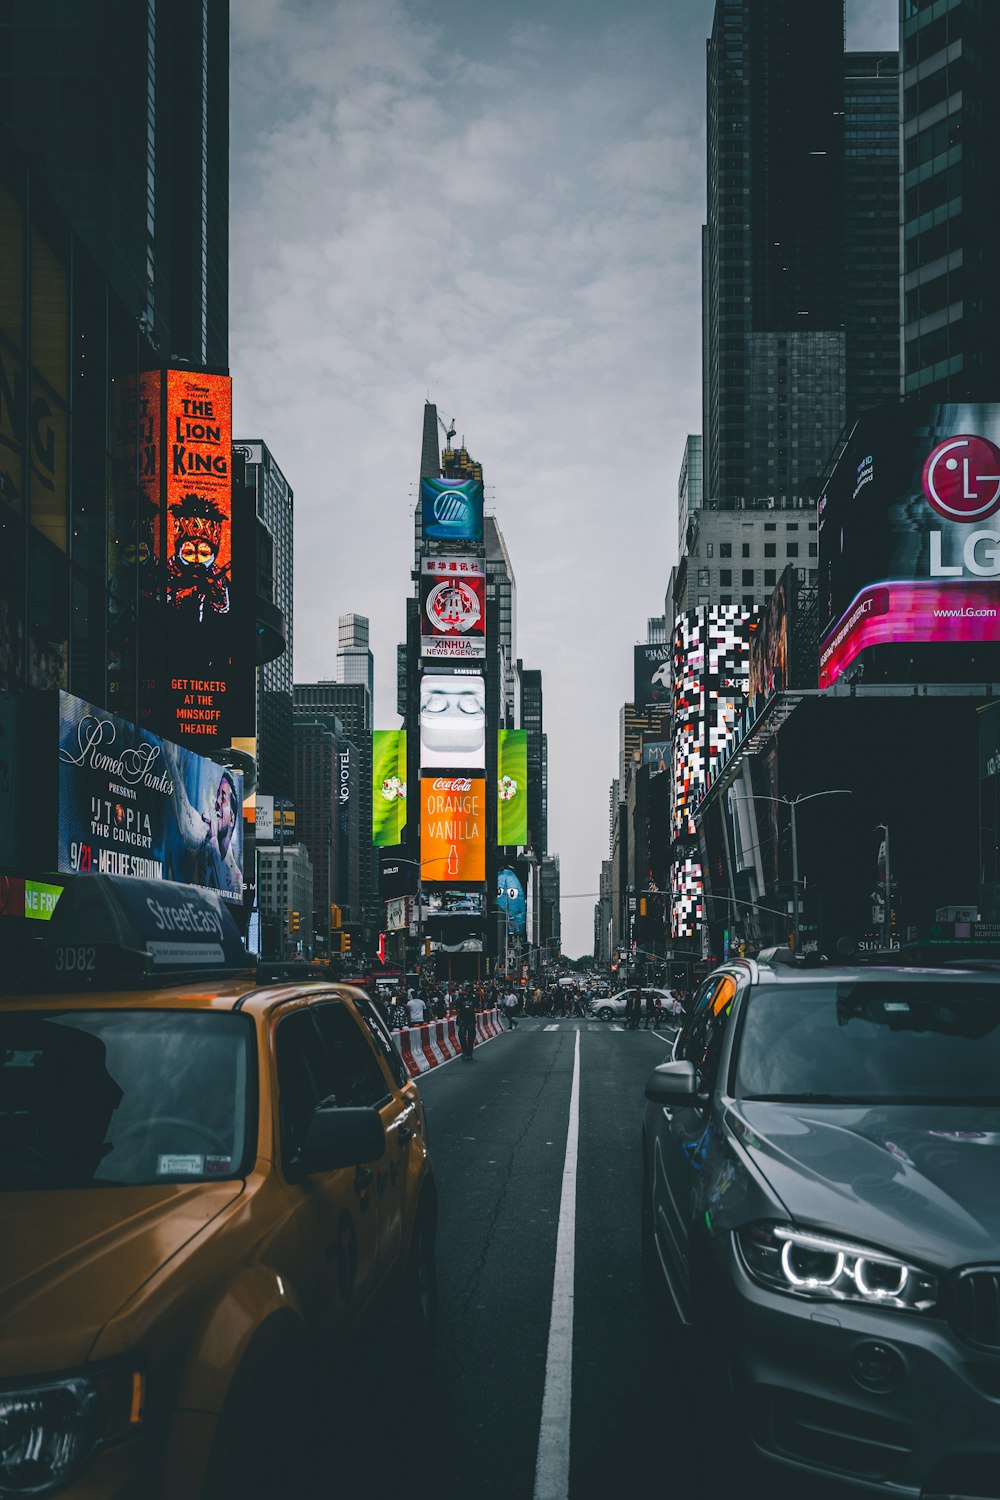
(725, 549)
(792, 549)
(726, 599)
(770, 526)
(770, 549)
(709, 549)
(813, 549)
(748, 601)
(770, 577)
(704, 578)
(746, 549)
(725, 578)
(791, 525)
(748, 578)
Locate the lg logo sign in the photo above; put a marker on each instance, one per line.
(961, 479)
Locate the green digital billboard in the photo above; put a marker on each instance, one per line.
(388, 786)
(512, 787)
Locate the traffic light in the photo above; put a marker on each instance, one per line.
(335, 915)
(345, 942)
(427, 947)
(642, 906)
(294, 921)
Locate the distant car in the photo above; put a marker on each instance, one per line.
(819, 1206)
(613, 1007)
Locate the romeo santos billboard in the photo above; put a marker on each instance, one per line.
(910, 534)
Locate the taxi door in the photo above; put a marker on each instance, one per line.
(361, 1081)
(337, 1212)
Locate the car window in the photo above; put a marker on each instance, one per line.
(382, 1037)
(106, 1097)
(304, 1079)
(872, 1041)
(357, 1078)
(701, 1039)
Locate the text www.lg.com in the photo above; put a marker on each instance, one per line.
(965, 614)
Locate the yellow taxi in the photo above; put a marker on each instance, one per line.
(210, 1186)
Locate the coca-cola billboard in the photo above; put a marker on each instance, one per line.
(452, 829)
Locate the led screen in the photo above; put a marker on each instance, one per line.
(910, 533)
(453, 722)
(512, 787)
(452, 608)
(133, 804)
(452, 829)
(195, 666)
(388, 786)
(652, 677)
(451, 510)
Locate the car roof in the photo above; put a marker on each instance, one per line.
(801, 974)
(236, 994)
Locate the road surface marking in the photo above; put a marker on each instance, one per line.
(552, 1465)
(551, 1028)
(615, 1026)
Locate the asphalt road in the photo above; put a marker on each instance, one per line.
(498, 1133)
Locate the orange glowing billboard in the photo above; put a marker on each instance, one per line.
(197, 672)
(452, 829)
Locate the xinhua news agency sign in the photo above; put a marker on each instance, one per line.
(910, 533)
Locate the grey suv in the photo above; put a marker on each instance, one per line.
(821, 1203)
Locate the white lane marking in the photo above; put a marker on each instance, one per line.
(550, 1028)
(616, 1027)
(552, 1464)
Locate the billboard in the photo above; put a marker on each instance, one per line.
(452, 608)
(512, 787)
(453, 722)
(133, 804)
(909, 533)
(452, 829)
(656, 756)
(449, 903)
(451, 510)
(711, 650)
(199, 553)
(388, 786)
(511, 900)
(652, 677)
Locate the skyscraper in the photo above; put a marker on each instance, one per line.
(355, 662)
(951, 265)
(344, 709)
(871, 228)
(127, 107)
(275, 507)
(774, 357)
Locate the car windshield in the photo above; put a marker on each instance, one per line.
(112, 1097)
(871, 1042)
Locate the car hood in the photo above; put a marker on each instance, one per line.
(907, 1178)
(70, 1259)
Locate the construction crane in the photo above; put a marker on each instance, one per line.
(448, 430)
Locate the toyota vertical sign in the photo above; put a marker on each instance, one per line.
(910, 534)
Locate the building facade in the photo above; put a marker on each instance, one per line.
(951, 262)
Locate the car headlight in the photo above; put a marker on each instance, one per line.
(819, 1266)
(49, 1428)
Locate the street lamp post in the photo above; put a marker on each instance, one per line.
(418, 865)
(887, 894)
(792, 803)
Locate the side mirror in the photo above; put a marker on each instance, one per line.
(673, 1083)
(342, 1138)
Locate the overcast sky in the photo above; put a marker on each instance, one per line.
(496, 206)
